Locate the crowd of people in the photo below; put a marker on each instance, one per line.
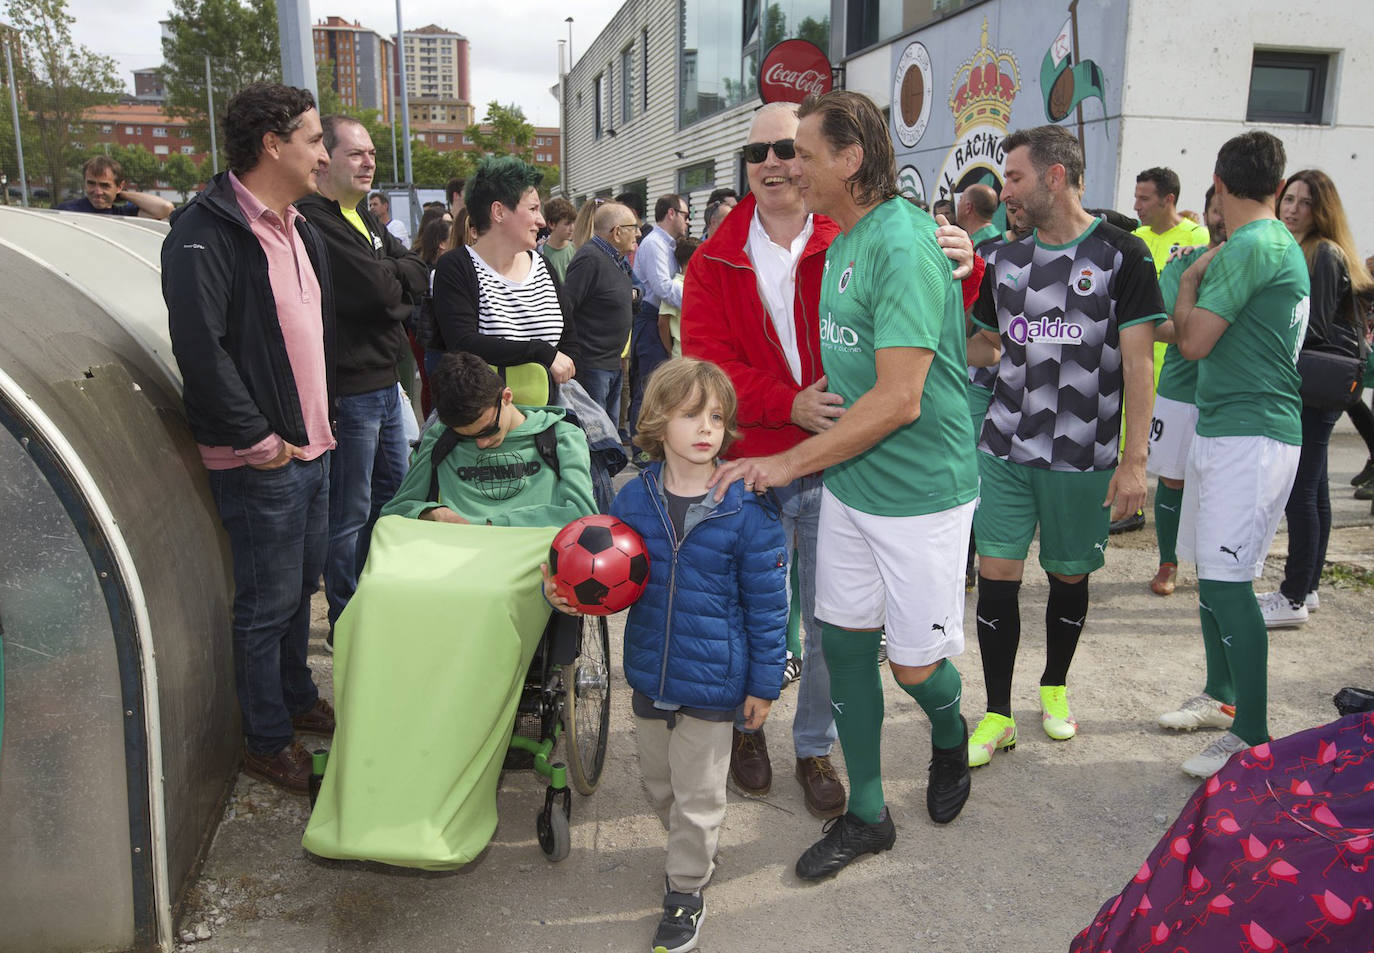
(835, 401)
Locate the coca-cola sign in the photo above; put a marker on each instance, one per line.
(793, 70)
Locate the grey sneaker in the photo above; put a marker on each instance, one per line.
(1313, 602)
(1214, 757)
(682, 916)
(1279, 612)
(1200, 711)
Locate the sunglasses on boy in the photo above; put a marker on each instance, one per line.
(491, 429)
(756, 152)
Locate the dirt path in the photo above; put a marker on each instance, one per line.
(1052, 829)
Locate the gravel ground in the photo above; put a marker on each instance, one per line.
(1051, 830)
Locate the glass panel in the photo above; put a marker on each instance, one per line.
(64, 815)
(1281, 89)
(626, 75)
(694, 177)
(803, 19)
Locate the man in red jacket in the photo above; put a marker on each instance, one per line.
(751, 304)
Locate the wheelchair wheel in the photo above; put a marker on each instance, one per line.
(554, 831)
(587, 705)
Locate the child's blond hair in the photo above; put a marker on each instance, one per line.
(674, 384)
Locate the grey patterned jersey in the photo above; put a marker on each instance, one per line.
(1059, 311)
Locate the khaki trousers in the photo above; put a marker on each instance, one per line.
(685, 770)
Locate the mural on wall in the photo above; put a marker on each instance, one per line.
(959, 87)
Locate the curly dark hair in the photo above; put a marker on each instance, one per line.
(464, 388)
(503, 179)
(255, 111)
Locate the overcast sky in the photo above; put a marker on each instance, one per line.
(513, 43)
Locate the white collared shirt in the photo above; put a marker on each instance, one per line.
(775, 268)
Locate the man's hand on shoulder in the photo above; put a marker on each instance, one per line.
(958, 248)
(815, 408)
(1198, 269)
(442, 514)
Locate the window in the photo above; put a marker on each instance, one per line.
(160, 150)
(188, 150)
(599, 85)
(1287, 87)
(626, 81)
(441, 137)
(700, 175)
(159, 132)
(106, 130)
(128, 130)
(644, 71)
(185, 132)
(723, 41)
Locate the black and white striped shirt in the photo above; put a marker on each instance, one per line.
(525, 310)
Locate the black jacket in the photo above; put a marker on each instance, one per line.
(457, 294)
(237, 382)
(600, 297)
(1331, 324)
(376, 284)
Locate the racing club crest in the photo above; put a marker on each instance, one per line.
(845, 276)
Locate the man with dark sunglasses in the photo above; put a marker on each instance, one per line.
(502, 469)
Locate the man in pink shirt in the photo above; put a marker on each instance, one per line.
(251, 314)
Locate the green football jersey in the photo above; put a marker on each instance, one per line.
(1178, 376)
(887, 283)
(1248, 384)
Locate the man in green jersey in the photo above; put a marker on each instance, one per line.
(1242, 315)
(1175, 418)
(900, 479)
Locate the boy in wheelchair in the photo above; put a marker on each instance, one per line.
(433, 650)
(492, 461)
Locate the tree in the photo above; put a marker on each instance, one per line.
(141, 168)
(432, 167)
(182, 173)
(504, 131)
(329, 102)
(60, 81)
(241, 41)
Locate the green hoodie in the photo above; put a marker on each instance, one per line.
(508, 485)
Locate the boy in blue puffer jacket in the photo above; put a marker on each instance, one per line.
(709, 632)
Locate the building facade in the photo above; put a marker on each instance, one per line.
(363, 62)
(663, 98)
(438, 76)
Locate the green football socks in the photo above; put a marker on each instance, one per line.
(938, 697)
(1168, 503)
(1244, 643)
(856, 700)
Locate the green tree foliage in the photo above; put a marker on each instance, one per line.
(141, 168)
(241, 41)
(59, 81)
(329, 102)
(434, 168)
(182, 173)
(504, 131)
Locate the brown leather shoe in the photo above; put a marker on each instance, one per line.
(289, 768)
(318, 720)
(822, 786)
(749, 764)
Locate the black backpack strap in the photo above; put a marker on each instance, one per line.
(546, 442)
(443, 446)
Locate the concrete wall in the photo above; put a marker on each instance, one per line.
(1186, 87)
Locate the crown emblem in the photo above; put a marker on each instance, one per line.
(984, 87)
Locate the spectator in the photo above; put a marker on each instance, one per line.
(655, 267)
(599, 295)
(379, 204)
(105, 185)
(453, 195)
(250, 307)
(377, 282)
(558, 249)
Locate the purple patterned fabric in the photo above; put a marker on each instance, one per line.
(1273, 853)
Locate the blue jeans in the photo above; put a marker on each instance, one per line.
(813, 725)
(277, 522)
(604, 388)
(646, 353)
(1309, 507)
(370, 462)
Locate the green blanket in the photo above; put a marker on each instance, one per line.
(429, 661)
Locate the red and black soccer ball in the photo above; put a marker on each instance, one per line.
(599, 564)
